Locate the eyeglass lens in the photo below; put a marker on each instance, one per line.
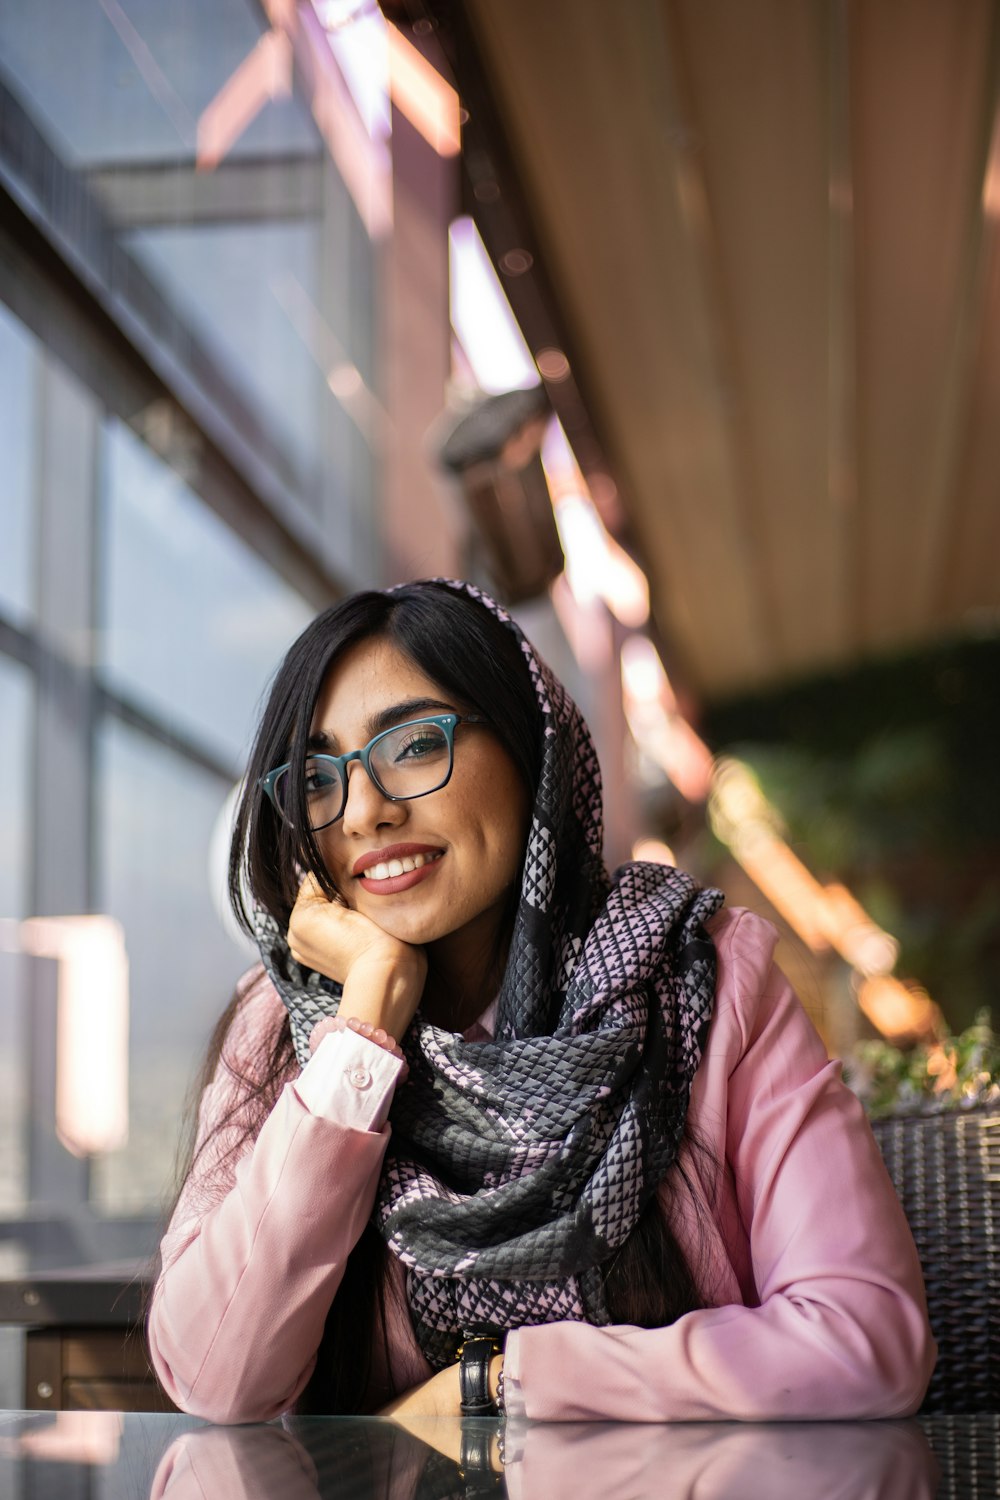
(406, 762)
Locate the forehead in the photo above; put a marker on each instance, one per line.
(366, 679)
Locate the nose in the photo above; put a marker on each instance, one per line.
(367, 807)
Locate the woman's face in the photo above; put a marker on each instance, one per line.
(471, 833)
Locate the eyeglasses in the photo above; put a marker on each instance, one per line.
(411, 760)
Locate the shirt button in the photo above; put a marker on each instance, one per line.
(359, 1076)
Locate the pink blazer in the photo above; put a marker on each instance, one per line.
(815, 1302)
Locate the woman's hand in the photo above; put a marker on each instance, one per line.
(382, 977)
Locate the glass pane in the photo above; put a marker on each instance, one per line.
(206, 200)
(111, 83)
(194, 621)
(16, 703)
(18, 419)
(245, 287)
(159, 876)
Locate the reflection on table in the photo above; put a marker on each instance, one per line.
(110, 1456)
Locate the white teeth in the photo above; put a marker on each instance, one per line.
(387, 870)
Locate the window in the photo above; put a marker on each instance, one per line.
(174, 148)
(16, 704)
(193, 620)
(156, 818)
(19, 370)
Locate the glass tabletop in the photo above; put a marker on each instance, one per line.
(110, 1456)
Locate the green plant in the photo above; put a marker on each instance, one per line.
(959, 1070)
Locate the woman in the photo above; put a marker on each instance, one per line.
(478, 1088)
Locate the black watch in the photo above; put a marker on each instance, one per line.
(474, 1355)
(476, 1464)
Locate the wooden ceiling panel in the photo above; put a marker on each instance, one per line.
(763, 228)
(756, 82)
(593, 128)
(969, 580)
(920, 110)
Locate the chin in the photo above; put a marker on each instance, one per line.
(410, 927)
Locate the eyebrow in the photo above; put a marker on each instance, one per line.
(386, 718)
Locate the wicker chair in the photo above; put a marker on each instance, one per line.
(968, 1451)
(946, 1170)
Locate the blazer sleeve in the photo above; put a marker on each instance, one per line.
(256, 1246)
(840, 1329)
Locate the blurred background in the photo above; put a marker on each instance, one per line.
(675, 323)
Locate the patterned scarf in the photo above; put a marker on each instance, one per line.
(518, 1167)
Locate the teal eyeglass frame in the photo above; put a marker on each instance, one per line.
(446, 722)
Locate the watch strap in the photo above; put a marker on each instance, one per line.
(476, 1464)
(474, 1356)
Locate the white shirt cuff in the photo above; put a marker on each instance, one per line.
(513, 1391)
(350, 1081)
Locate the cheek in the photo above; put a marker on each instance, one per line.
(505, 834)
(509, 854)
(326, 844)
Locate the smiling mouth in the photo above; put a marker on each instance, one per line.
(393, 868)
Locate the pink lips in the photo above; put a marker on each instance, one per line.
(392, 884)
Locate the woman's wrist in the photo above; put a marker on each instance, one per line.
(370, 1032)
(385, 993)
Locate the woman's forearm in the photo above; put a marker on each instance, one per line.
(240, 1305)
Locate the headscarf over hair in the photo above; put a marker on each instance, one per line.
(518, 1167)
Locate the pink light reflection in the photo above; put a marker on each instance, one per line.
(426, 99)
(264, 74)
(71, 1437)
(91, 1027)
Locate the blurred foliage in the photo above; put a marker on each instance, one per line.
(849, 812)
(886, 780)
(961, 1070)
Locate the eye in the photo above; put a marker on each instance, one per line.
(420, 743)
(319, 778)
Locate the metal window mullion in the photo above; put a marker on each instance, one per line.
(65, 467)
